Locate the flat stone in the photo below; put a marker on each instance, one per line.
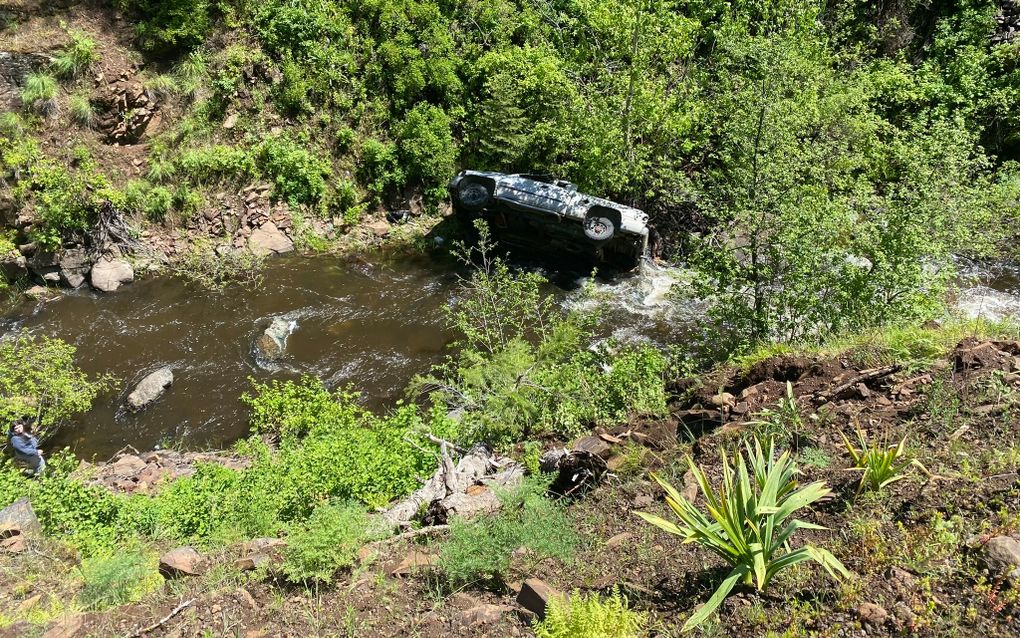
(379, 228)
(620, 539)
(484, 614)
(183, 561)
(267, 239)
(251, 562)
(128, 465)
(110, 274)
(264, 545)
(535, 595)
(14, 545)
(414, 561)
(594, 445)
(872, 614)
(150, 388)
(67, 626)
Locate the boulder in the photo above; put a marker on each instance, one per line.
(267, 239)
(251, 562)
(535, 595)
(1002, 557)
(414, 561)
(13, 266)
(183, 561)
(271, 344)
(128, 465)
(73, 265)
(19, 515)
(67, 626)
(109, 274)
(150, 388)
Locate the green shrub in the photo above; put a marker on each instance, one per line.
(215, 266)
(591, 617)
(747, 524)
(880, 464)
(12, 125)
(77, 57)
(426, 147)
(325, 543)
(161, 87)
(171, 25)
(39, 378)
(298, 174)
(117, 578)
(82, 113)
(482, 549)
(215, 163)
(39, 94)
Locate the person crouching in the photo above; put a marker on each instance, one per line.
(26, 448)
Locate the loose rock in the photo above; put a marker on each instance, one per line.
(872, 614)
(20, 515)
(183, 561)
(109, 274)
(267, 239)
(535, 595)
(1002, 557)
(272, 344)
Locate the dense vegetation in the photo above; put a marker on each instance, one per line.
(819, 166)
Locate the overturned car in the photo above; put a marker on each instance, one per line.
(539, 213)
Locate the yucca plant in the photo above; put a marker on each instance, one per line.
(881, 464)
(747, 522)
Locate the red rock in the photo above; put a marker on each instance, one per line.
(413, 561)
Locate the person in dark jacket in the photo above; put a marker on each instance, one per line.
(26, 448)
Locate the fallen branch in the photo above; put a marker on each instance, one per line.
(866, 375)
(156, 625)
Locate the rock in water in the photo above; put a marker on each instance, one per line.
(109, 274)
(74, 265)
(271, 344)
(150, 388)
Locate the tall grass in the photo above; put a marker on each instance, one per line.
(39, 94)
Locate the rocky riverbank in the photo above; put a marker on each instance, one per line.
(935, 553)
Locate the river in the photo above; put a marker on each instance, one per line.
(368, 324)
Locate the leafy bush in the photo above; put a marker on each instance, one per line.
(524, 367)
(747, 522)
(169, 25)
(77, 57)
(427, 148)
(117, 578)
(39, 94)
(217, 266)
(39, 378)
(591, 617)
(325, 543)
(299, 175)
(880, 465)
(481, 549)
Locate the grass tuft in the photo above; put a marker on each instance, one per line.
(39, 94)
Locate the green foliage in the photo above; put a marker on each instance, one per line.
(169, 25)
(216, 266)
(524, 367)
(81, 111)
(591, 617)
(427, 148)
(77, 57)
(12, 125)
(881, 465)
(117, 578)
(39, 94)
(325, 543)
(299, 175)
(39, 378)
(747, 522)
(481, 549)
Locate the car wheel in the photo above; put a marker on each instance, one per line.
(473, 195)
(598, 228)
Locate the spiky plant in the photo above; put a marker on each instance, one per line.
(161, 87)
(39, 94)
(81, 111)
(748, 521)
(77, 57)
(881, 464)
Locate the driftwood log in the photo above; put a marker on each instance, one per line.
(463, 488)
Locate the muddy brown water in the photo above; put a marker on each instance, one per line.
(371, 325)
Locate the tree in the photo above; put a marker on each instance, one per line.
(39, 378)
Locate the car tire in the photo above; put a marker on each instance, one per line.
(474, 195)
(599, 229)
